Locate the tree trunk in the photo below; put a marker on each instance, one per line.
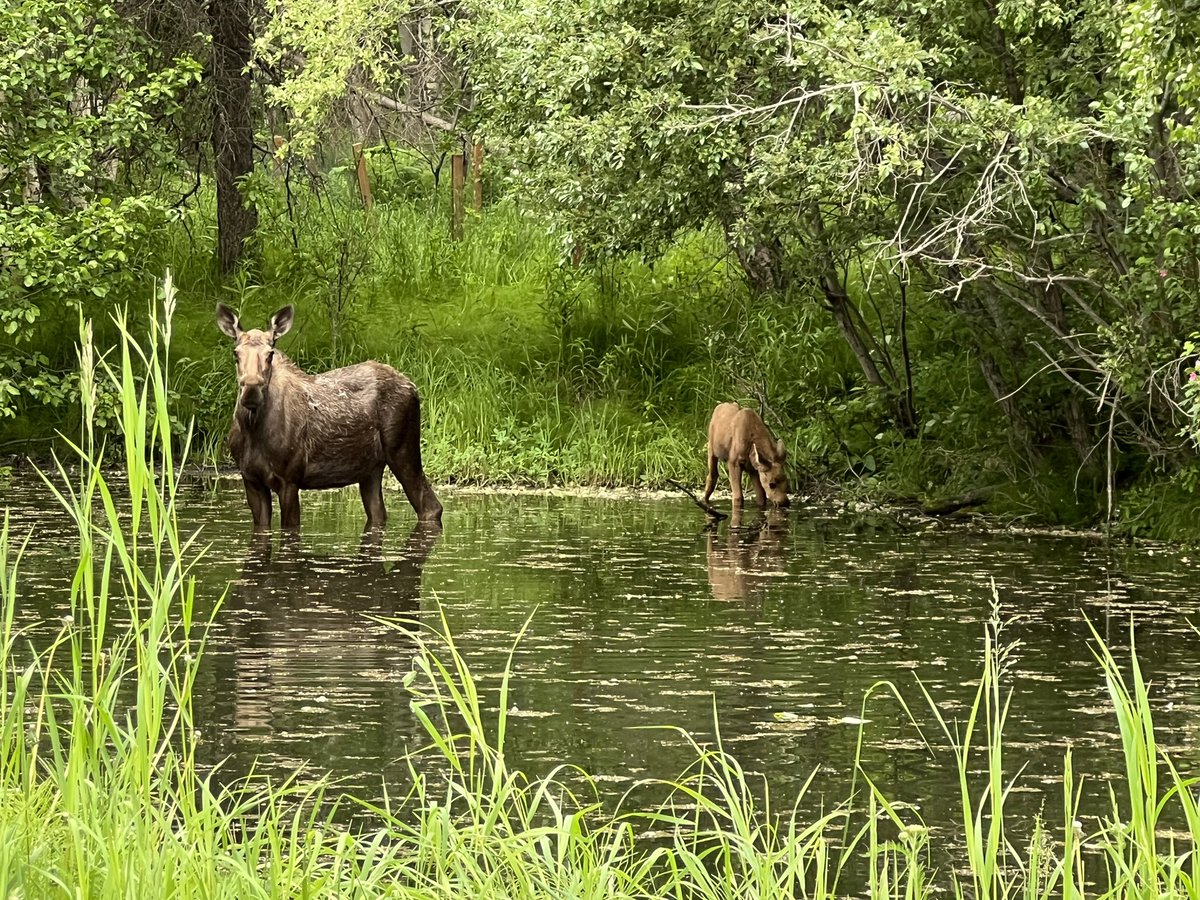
(1020, 433)
(759, 252)
(845, 315)
(995, 339)
(45, 180)
(233, 126)
(763, 265)
(1080, 431)
(1013, 81)
(839, 304)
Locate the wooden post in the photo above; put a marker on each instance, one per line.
(477, 175)
(364, 183)
(456, 196)
(278, 158)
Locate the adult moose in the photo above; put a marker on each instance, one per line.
(292, 430)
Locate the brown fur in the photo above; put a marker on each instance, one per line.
(292, 430)
(738, 436)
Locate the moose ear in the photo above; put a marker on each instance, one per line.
(282, 321)
(755, 459)
(780, 451)
(227, 321)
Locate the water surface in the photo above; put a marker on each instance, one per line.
(639, 616)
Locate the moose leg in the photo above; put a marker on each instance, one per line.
(258, 496)
(759, 491)
(289, 505)
(371, 489)
(402, 448)
(417, 487)
(711, 483)
(735, 482)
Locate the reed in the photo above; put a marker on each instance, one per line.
(101, 795)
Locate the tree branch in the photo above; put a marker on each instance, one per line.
(396, 106)
(712, 511)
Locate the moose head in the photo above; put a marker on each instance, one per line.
(255, 353)
(771, 472)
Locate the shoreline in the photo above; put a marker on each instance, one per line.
(830, 507)
(826, 504)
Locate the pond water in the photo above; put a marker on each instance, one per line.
(639, 616)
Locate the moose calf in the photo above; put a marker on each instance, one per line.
(738, 436)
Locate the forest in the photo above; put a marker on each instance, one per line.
(945, 247)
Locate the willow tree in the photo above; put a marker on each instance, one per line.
(1031, 163)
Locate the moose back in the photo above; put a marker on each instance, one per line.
(293, 430)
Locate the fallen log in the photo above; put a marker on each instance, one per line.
(948, 505)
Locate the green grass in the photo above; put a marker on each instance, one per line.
(100, 795)
(534, 372)
(528, 373)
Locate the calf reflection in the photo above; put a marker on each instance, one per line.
(302, 626)
(750, 556)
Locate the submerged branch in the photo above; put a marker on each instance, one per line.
(712, 511)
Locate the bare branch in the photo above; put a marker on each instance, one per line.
(396, 106)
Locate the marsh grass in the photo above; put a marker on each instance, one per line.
(529, 372)
(101, 795)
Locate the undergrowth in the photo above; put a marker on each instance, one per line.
(535, 372)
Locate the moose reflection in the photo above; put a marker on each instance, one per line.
(292, 430)
(301, 620)
(750, 555)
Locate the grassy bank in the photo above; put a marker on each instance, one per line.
(532, 371)
(529, 373)
(535, 372)
(100, 795)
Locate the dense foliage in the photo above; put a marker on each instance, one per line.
(1025, 172)
(87, 106)
(945, 246)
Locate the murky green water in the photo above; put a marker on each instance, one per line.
(642, 618)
